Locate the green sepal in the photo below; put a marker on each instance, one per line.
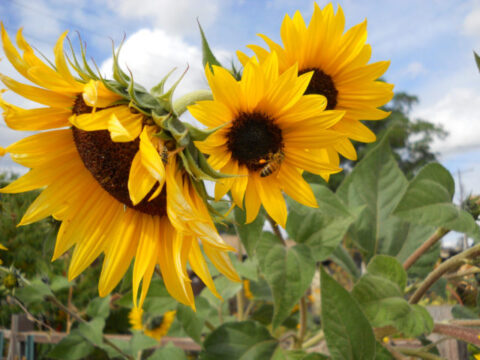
(177, 129)
(158, 90)
(477, 60)
(200, 135)
(207, 54)
(193, 169)
(166, 99)
(181, 104)
(76, 65)
(118, 74)
(237, 73)
(202, 162)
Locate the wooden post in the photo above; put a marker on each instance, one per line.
(13, 348)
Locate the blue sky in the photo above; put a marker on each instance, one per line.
(429, 43)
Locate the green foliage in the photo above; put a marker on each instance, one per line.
(288, 271)
(168, 352)
(320, 228)
(347, 330)
(380, 293)
(249, 234)
(428, 201)
(239, 341)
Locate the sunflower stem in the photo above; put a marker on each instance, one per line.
(443, 268)
(303, 322)
(276, 230)
(439, 234)
(180, 105)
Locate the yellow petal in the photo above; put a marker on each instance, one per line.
(295, 186)
(272, 198)
(150, 157)
(140, 181)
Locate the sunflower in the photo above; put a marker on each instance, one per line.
(156, 327)
(105, 179)
(341, 72)
(271, 133)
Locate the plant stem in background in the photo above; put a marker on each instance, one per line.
(443, 268)
(276, 229)
(303, 322)
(314, 340)
(458, 332)
(440, 233)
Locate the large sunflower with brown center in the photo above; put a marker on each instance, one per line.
(114, 185)
(270, 132)
(339, 61)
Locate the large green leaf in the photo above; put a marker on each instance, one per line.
(378, 184)
(381, 296)
(192, 321)
(245, 340)
(322, 228)
(249, 234)
(428, 201)
(289, 272)
(348, 333)
(72, 347)
(168, 352)
(99, 307)
(35, 292)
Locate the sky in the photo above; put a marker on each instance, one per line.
(430, 44)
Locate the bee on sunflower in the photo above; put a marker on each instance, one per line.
(118, 169)
(339, 62)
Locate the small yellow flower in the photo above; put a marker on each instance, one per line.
(156, 327)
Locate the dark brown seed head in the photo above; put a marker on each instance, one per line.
(322, 84)
(253, 138)
(109, 163)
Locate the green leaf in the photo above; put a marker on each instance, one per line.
(249, 234)
(140, 342)
(35, 292)
(343, 258)
(348, 333)
(191, 323)
(378, 184)
(99, 307)
(92, 331)
(71, 347)
(428, 201)
(477, 60)
(247, 269)
(244, 340)
(389, 268)
(289, 272)
(207, 54)
(380, 295)
(168, 352)
(59, 283)
(322, 228)
(282, 354)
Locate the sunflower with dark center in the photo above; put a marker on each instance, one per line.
(271, 133)
(341, 72)
(103, 177)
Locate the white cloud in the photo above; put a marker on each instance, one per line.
(414, 69)
(176, 16)
(457, 111)
(151, 54)
(471, 24)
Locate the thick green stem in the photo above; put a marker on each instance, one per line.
(314, 340)
(180, 105)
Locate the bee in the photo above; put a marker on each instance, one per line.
(165, 153)
(273, 163)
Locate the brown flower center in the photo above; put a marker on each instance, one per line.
(253, 139)
(322, 84)
(110, 162)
